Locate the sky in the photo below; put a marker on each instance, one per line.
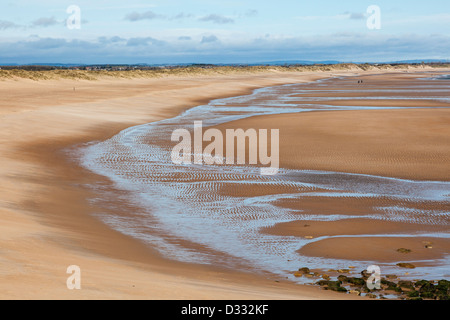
(227, 31)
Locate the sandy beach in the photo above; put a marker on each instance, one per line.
(409, 143)
(47, 221)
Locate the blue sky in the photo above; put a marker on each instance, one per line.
(210, 31)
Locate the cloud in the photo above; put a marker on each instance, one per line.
(182, 15)
(344, 16)
(107, 40)
(48, 43)
(209, 39)
(216, 18)
(357, 16)
(184, 38)
(7, 25)
(358, 47)
(144, 41)
(148, 15)
(44, 22)
(251, 13)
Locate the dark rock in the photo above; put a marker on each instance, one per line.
(442, 290)
(441, 296)
(428, 295)
(388, 283)
(427, 289)
(413, 294)
(365, 275)
(344, 270)
(365, 289)
(443, 286)
(304, 270)
(323, 282)
(406, 284)
(343, 278)
(357, 281)
(298, 274)
(420, 283)
(406, 265)
(396, 289)
(332, 285)
(339, 289)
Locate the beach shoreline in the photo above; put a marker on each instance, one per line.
(46, 220)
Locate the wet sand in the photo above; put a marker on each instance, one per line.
(47, 214)
(407, 144)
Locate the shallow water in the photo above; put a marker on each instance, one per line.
(187, 216)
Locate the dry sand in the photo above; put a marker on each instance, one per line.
(45, 218)
(46, 221)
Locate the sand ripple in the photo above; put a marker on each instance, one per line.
(222, 209)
